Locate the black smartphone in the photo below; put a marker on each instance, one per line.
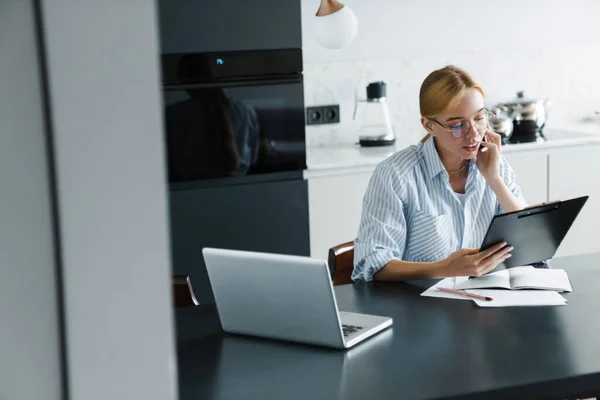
(483, 148)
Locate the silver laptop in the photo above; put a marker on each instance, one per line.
(283, 297)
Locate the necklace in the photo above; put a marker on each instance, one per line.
(456, 171)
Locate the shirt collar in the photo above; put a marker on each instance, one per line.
(433, 163)
(431, 158)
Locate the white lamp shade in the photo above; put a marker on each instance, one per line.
(336, 30)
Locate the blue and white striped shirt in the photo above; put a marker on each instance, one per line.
(411, 213)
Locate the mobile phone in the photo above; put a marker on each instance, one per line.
(482, 149)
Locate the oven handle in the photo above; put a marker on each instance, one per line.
(236, 83)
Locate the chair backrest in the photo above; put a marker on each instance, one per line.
(341, 263)
(183, 293)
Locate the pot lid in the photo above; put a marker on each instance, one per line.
(521, 100)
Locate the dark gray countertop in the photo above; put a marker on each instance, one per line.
(437, 348)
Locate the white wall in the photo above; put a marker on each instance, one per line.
(547, 48)
(30, 351)
(107, 128)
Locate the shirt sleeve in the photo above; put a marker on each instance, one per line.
(382, 231)
(508, 175)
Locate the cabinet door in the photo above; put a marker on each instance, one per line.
(335, 205)
(270, 217)
(531, 174)
(574, 173)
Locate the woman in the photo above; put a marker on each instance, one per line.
(427, 207)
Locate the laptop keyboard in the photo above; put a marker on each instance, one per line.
(350, 329)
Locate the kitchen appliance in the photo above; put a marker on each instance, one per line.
(233, 115)
(529, 118)
(233, 96)
(501, 123)
(374, 117)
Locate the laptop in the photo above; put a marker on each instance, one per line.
(283, 297)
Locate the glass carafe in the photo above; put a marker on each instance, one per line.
(374, 117)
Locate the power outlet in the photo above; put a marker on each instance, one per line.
(323, 114)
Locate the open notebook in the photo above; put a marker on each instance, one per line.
(518, 278)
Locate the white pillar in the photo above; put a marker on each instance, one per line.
(102, 61)
(30, 346)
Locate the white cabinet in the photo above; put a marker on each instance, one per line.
(531, 174)
(574, 172)
(335, 201)
(335, 206)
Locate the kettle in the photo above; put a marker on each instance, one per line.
(374, 117)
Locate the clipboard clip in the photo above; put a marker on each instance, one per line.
(539, 209)
(542, 204)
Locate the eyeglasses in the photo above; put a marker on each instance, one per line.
(462, 128)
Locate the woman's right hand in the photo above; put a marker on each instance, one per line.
(472, 262)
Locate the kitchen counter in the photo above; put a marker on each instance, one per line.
(350, 158)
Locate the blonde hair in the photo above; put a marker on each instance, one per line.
(443, 89)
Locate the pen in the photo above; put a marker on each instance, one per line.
(463, 293)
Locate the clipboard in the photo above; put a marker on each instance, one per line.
(535, 232)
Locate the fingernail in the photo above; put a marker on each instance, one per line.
(507, 256)
(510, 248)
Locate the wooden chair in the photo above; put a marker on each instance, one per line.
(341, 263)
(183, 292)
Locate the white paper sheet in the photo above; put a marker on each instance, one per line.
(519, 298)
(447, 283)
(548, 279)
(499, 279)
(525, 277)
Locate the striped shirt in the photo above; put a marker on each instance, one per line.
(411, 213)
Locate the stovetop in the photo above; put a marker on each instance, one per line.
(548, 135)
(537, 137)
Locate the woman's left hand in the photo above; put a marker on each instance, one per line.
(488, 157)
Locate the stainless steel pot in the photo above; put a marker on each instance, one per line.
(501, 123)
(523, 109)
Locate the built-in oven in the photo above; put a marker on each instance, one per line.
(234, 129)
(233, 117)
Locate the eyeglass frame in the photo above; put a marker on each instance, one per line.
(471, 124)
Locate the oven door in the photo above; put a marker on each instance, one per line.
(198, 26)
(233, 132)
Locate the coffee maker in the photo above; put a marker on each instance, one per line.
(374, 117)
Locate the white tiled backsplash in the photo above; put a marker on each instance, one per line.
(551, 50)
(569, 76)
